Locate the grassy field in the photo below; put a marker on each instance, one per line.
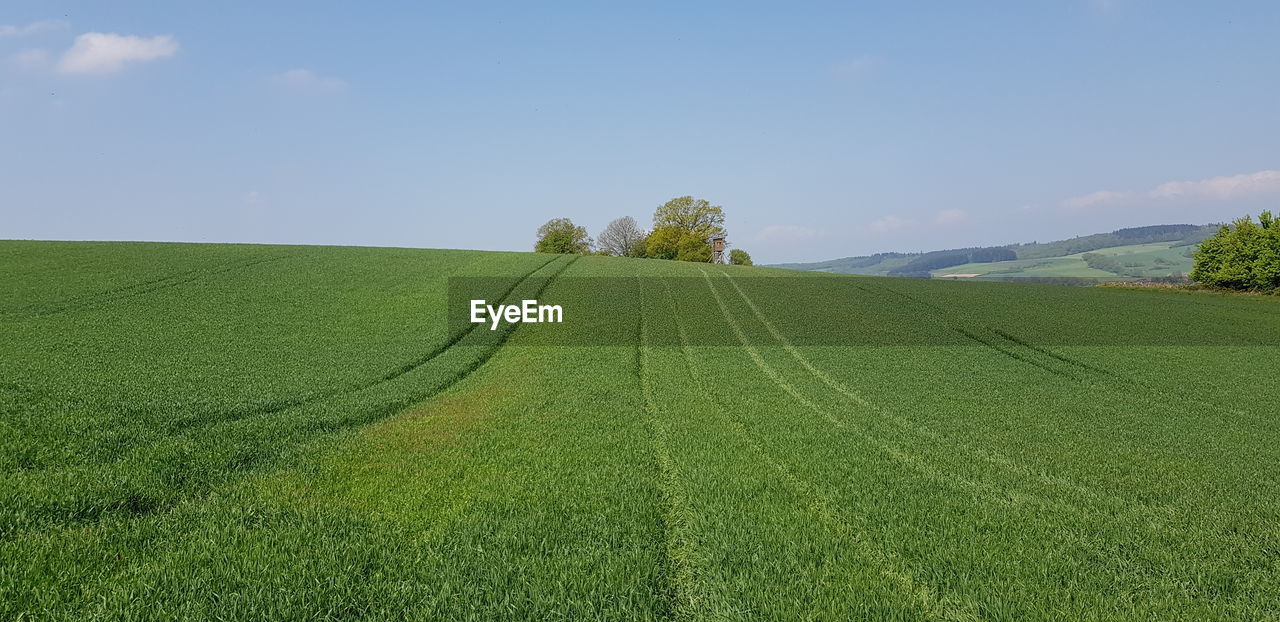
(1158, 259)
(1134, 253)
(251, 432)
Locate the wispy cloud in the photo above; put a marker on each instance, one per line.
(105, 53)
(856, 68)
(891, 224)
(29, 60)
(307, 81)
(786, 234)
(34, 28)
(1103, 6)
(950, 217)
(1218, 189)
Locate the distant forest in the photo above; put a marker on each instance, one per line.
(1187, 234)
(920, 264)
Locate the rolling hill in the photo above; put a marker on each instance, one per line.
(257, 432)
(1158, 251)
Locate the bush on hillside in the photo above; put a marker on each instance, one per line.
(560, 235)
(1244, 255)
(937, 260)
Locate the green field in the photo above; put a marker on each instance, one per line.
(1135, 253)
(1158, 259)
(255, 432)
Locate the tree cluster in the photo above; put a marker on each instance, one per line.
(937, 260)
(560, 235)
(1243, 255)
(1184, 235)
(1114, 265)
(681, 231)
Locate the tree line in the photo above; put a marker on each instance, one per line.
(921, 266)
(1243, 255)
(681, 230)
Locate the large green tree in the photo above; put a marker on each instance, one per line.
(696, 216)
(1243, 255)
(560, 235)
(676, 243)
(681, 227)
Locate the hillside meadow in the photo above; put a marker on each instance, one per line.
(193, 431)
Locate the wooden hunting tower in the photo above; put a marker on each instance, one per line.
(717, 248)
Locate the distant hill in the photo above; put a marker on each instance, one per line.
(1157, 251)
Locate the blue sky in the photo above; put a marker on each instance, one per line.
(824, 129)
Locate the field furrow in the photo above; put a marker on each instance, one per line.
(203, 435)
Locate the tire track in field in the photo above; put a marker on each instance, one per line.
(993, 493)
(1050, 353)
(685, 562)
(1106, 379)
(922, 595)
(1114, 381)
(1144, 517)
(466, 370)
(458, 374)
(108, 296)
(390, 375)
(1143, 522)
(135, 505)
(1013, 354)
(939, 315)
(995, 458)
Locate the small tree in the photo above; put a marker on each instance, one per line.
(560, 235)
(623, 238)
(739, 257)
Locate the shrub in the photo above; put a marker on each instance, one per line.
(1244, 255)
(560, 235)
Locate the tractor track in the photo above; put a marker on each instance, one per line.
(924, 597)
(136, 505)
(117, 294)
(1090, 374)
(1084, 493)
(1002, 342)
(390, 375)
(684, 563)
(893, 450)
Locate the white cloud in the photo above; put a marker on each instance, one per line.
(1217, 189)
(34, 28)
(891, 224)
(856, 67)
(29, 60)
(308, 81)
(950, 217)
(1261, 183)
(786, 234)
(894, 224)
(1101, 197)
(104, 53)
